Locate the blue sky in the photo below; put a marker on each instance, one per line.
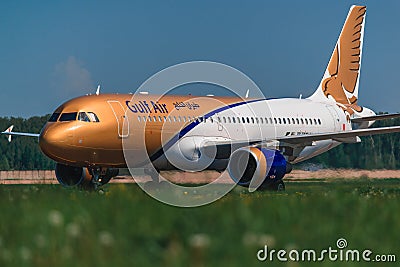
(52, 51)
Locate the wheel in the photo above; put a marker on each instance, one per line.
(278, 186)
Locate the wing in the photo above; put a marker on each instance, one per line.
(10, 133)
(223, 150)
(339, 136)
(376, 117)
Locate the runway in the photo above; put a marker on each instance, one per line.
(48, 177)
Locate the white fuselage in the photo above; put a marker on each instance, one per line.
(261, 120)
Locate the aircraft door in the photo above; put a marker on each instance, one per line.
(335, 116)
(120, 116)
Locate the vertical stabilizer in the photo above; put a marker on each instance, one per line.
(341, 78)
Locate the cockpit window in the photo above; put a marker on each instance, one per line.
(71, 116)
(54, 117)
(83, 117)
(93, 117)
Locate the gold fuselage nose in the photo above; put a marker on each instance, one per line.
(56, 141)
(82, 144)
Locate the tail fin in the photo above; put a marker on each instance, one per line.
(341, 77)
(9, 130)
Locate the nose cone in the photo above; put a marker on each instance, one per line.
(53, 141)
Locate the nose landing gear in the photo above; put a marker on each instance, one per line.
(101, 176)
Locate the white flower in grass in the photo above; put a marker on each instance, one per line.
(55, 218)
(73, 230)
(106, 238)
(199, 240)
(40, 241)
(26, 253)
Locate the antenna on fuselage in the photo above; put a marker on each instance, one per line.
(98, 90)
(247, 93)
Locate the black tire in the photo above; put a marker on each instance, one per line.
(277, 186)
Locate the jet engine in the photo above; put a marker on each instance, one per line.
(258, 167)
(70, 176)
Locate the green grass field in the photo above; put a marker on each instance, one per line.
(47, 225)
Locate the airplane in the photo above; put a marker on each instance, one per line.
(255, 139)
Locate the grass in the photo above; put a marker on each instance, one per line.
(47, 225)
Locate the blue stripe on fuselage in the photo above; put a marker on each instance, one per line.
(193, 124)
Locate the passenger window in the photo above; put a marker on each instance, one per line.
(233, 120)
(71, 116)
(229, 119)
(248, 120)
(93, 117)
(211, 119)
(257, 120)
(252, 120)
(224, 119)
(54, 117)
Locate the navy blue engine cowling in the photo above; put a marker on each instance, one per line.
(264, 165)
(277, 162)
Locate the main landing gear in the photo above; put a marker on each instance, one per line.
(155, 183)
(278, 186)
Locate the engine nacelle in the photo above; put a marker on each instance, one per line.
(70, 176)
(260, 165)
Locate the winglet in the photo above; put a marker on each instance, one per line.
(9, 130)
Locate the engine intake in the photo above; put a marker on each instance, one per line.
(70, 176)
(260, 165)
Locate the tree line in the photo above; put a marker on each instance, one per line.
(374, 152)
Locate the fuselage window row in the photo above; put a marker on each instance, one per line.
(225, 120)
